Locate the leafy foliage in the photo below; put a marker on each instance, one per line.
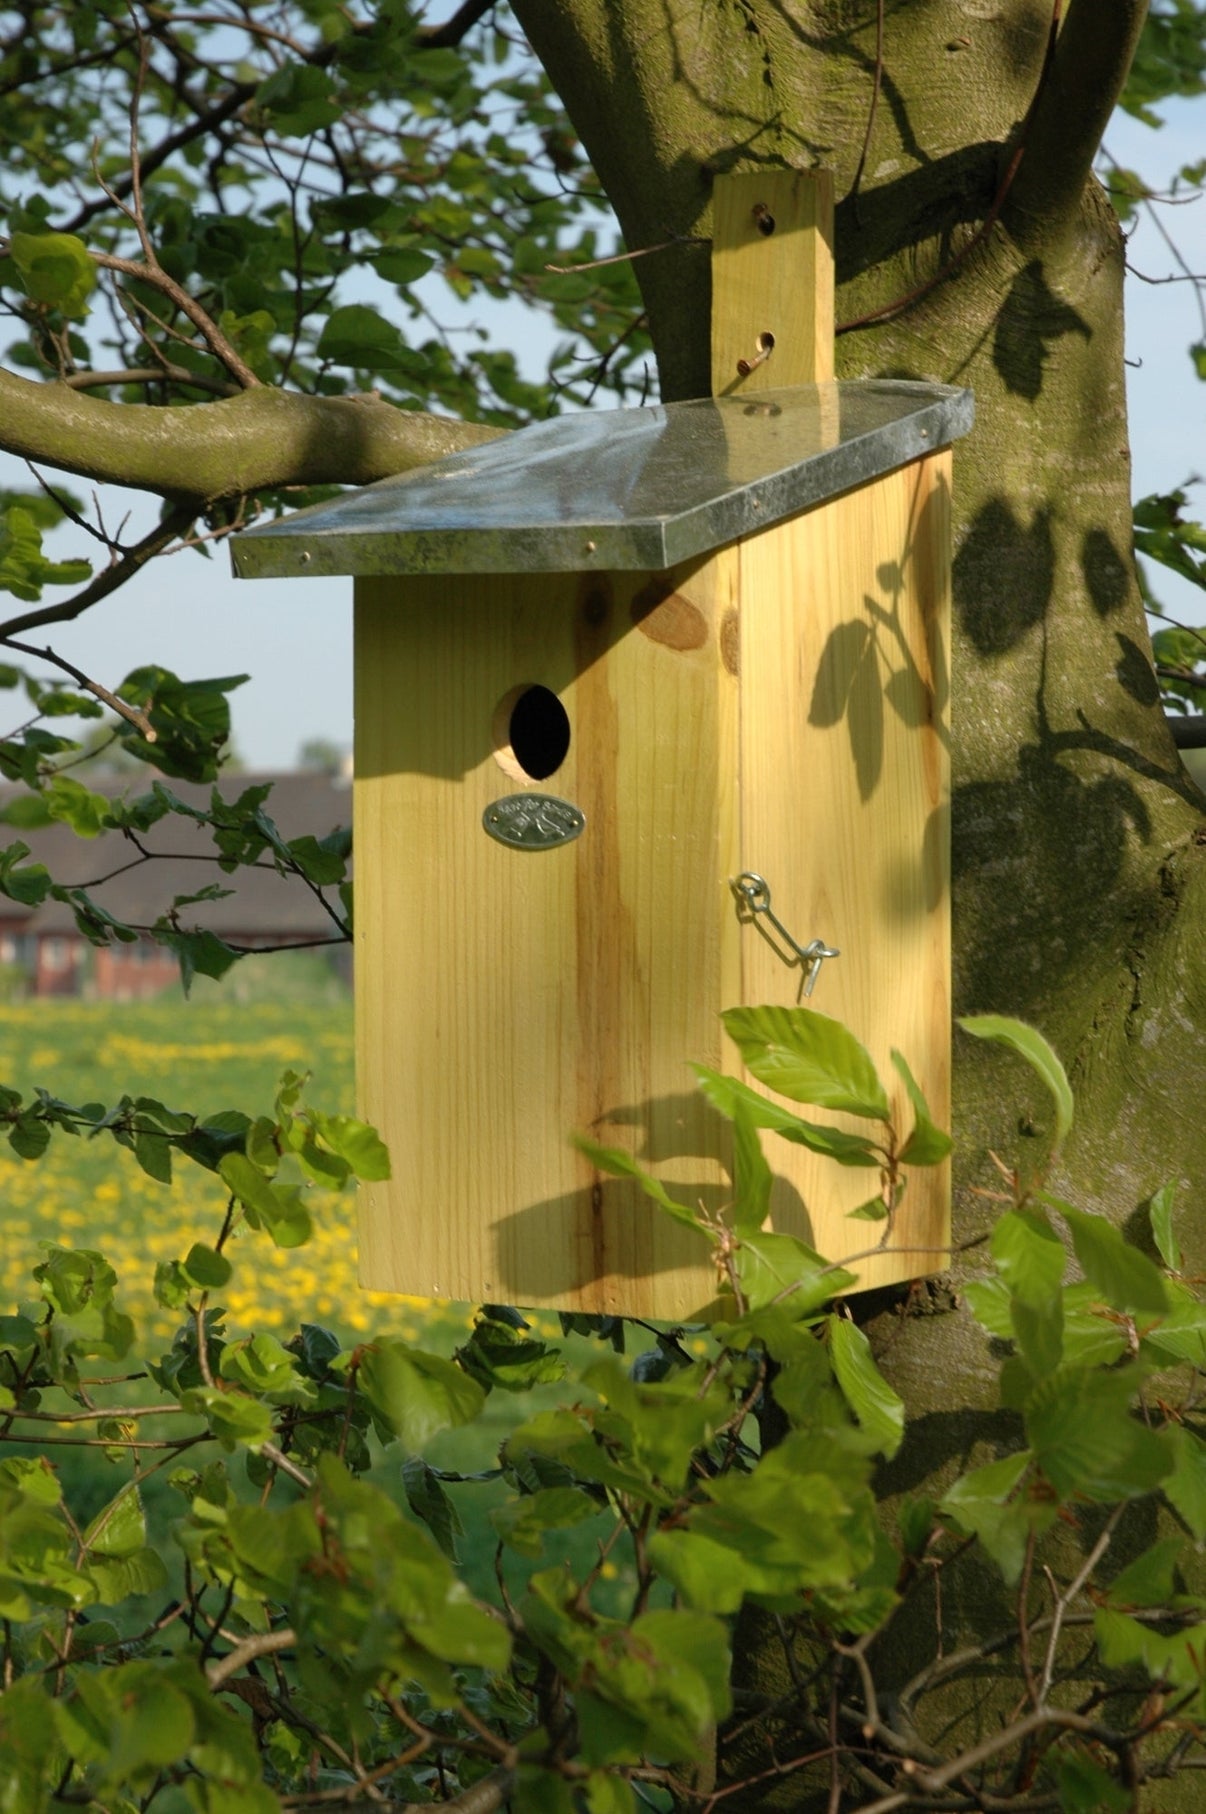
(290, 1627)
(299, 183)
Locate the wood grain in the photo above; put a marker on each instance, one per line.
(508, 999)
(844, 811)
(778, 708)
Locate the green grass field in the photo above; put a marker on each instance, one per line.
(226, 1047)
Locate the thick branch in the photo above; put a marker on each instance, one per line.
(261, 439)
(1063, 133)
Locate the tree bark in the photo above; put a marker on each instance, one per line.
(1078, 840)
(252, 442)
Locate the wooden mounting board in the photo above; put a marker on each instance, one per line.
(778, 282)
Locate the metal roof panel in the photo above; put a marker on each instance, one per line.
(614, 489)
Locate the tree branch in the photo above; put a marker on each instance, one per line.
(153, 543)
(263, 1644)
(449, 35)
(252, 442)
(178, 375)
(130, 713)
(1092, 58)
(151, 272)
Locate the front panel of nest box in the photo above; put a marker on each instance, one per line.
(546, 825)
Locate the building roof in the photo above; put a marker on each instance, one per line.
(612, 489)
(264, 904)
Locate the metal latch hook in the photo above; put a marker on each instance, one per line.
(754, 900)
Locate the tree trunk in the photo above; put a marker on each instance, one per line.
(1079, 842)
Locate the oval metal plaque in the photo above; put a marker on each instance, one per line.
(533, 821)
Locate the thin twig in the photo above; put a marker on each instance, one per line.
(621, 258)
(153, 273)
(153, 543)
(152, 374)
(1070, 1592)
(280, 1460)
(262, 1645)
(131, 713)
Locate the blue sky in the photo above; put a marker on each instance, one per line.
(295, 638)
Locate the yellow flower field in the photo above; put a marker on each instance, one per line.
(203, 1055)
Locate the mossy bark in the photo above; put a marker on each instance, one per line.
(1079, 842)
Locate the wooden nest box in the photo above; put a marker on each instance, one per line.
(606, 668)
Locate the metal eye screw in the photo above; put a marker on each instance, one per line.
(754, 899)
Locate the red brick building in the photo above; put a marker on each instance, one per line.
(42, 950)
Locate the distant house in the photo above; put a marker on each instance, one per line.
(49, 955)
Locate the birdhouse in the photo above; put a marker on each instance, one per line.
(649, 724)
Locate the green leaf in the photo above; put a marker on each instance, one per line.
(278, 1208)
(622, 1165)
(1185, 1486)
(808, 1057)
(262, 1366)
(927, 1144)
(299, 100)
(198, 953)
(1038, 1330)
(29, 1136)
(1086, 1788)
(752, 1178)
(1126, 1278)
(75, 1280)
(206, 1268)
(153, 1154)
(1029, 1044)
(29, 885)
(987, 1503)
(70, 803)
(500, 1354)
(428, 1500)
(191, 721)
(120, 1528)
(608, 1794)
(55, 270)
(1029, 1255)
(1148, 1580)
(771, 1266)
(416, 1394)
(726, 1093)
(225, 1797)
(358, 336)
(1086, 1440)
(705, 1573)
(235, 1419)
(880, 1410)
(1160, 1211)
(403, 265)
(523, 1522)
(357, 1144)
(873, 1210)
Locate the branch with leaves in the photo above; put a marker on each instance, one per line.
(325, 1651)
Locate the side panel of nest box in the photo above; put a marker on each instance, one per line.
(778, 708)
(845, 616)
(510, 998)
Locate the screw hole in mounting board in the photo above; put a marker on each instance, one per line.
(766, 346)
